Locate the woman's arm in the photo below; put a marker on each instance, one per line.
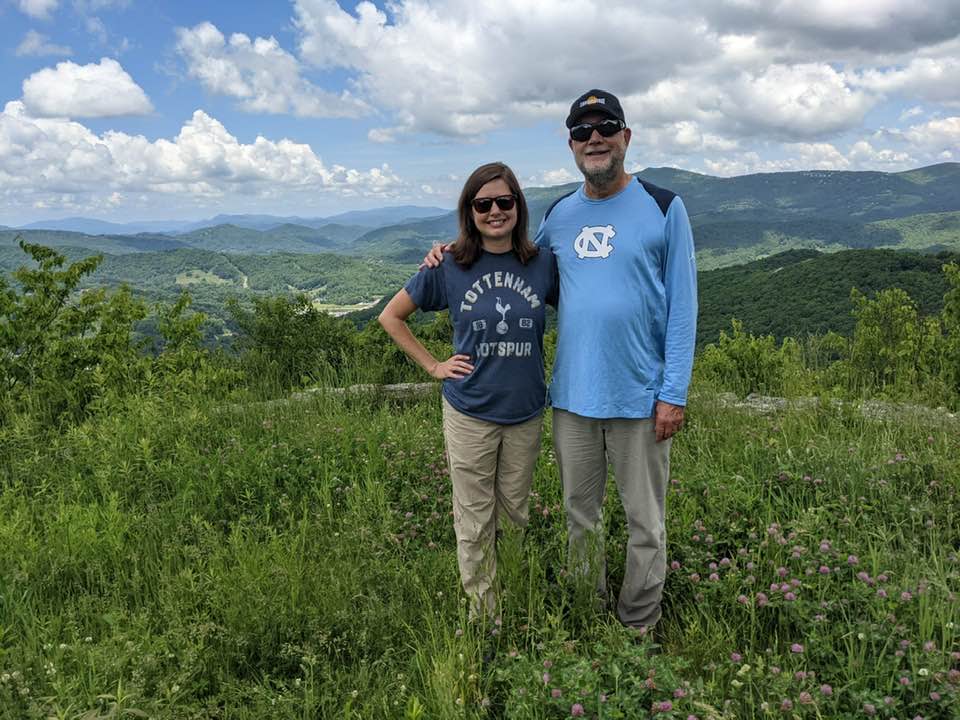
(394, 321)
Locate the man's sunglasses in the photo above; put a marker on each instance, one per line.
(606, 128)
(484, 205)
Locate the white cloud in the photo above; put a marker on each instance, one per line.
(97, 29)
(461, 68)
(70, 166)
(37, 44)
(794, 102)
(936, 136)
(547, 178)
(39, 9)
(259, 73)
(745, 164)
(863, 154)
(915, 111)
(685, 137)
(382, 135)
(800, 156)
(101, 89)
(873, 25)
(787, 102)
(727, 65)
(923, 78)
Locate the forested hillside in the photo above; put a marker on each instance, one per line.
(802, 292)
(735, 219)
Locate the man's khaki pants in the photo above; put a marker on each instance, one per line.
(641, 467)
(491, 467)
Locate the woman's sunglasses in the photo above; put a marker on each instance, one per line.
(484, 205)
(606, 128)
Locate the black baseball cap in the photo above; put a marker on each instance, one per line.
(595, 101)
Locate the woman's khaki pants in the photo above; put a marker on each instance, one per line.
(491, 467)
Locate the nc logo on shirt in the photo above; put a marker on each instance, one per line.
(594, 242)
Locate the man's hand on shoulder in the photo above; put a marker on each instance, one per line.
(435, 256)
(668, 419)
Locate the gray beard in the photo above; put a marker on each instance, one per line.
(603, 177)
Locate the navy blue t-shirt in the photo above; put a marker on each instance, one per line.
(497, 307)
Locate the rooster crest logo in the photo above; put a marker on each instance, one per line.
(502, 326)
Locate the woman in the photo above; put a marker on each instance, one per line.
(496, 288)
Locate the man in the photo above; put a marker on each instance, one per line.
(626, 326)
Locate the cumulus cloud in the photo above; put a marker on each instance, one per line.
(461, 68)
(101, 89)
(800, 156)
(39, 9)
(547, 178)
(259, 73)
(889, 149)
(801, 101)
(872, 25)
(37, 44)
(924, 78)
(685, 137)
(863, 154)
(70, 166)
(792, 70)
(786, 102)
(935, 136)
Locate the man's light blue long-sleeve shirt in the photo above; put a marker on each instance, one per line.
(628, 301)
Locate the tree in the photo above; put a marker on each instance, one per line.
(60, 349)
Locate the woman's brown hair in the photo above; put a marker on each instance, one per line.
(469, 244)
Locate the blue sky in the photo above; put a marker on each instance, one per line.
(123, 110)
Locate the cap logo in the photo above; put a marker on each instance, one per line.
(593, 100)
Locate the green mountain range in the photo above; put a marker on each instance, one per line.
(739, 219)
(759, 239)
(735, 219)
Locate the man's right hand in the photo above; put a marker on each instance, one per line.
(435, 256)
(456, 367)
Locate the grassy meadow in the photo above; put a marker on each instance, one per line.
(185, 558)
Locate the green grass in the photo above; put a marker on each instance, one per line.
(183, 560)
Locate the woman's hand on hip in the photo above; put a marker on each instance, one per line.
(456, 367)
